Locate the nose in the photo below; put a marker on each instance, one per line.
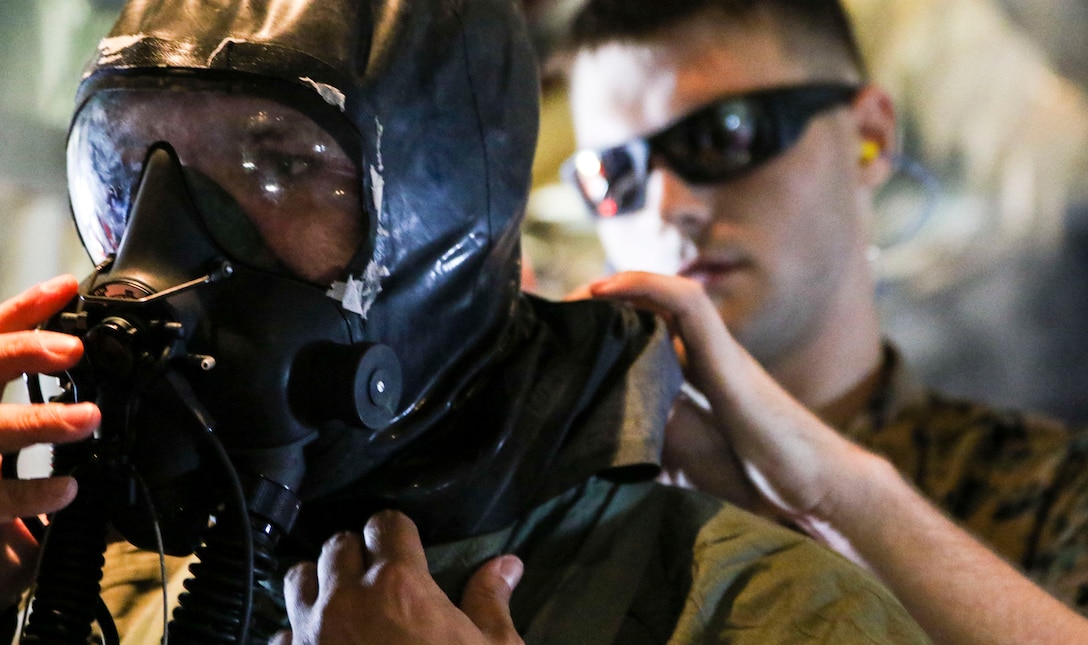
(678, 203)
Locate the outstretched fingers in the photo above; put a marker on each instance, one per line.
(33, 306)
(40, 352)
(25, 425)
(30, 497)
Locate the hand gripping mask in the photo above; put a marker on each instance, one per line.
(305, 222)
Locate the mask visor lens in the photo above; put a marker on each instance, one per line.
(275, 190)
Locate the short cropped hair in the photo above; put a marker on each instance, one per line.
(823, 22)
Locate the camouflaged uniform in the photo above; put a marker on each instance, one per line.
(1017, 481)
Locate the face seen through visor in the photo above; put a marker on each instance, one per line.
(275, 190)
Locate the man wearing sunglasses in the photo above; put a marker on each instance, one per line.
(740, 144)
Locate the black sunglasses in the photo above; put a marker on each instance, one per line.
(715, 143)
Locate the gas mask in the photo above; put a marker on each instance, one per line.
(215, 218)
(211, 346)
(305, 219)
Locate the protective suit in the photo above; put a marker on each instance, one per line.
(306, 219)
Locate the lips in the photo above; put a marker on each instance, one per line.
(707, 270)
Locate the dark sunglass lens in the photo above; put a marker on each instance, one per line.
(735, 130)
(735, 135)
(714, 143)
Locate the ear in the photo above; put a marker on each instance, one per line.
(874, 118)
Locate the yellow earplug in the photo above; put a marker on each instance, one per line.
(870, 151)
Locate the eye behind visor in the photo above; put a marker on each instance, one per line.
(720, 141)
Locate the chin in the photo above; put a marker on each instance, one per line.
(734, 317)
(739, 315)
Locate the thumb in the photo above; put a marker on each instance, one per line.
(486, 600)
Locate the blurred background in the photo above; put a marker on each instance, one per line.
(983, 259)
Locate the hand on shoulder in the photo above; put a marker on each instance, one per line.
(795, 461)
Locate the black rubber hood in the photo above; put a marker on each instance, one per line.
(443, 97)
(507, 399)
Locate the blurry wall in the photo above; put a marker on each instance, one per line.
(990, 299)
(43, 45)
